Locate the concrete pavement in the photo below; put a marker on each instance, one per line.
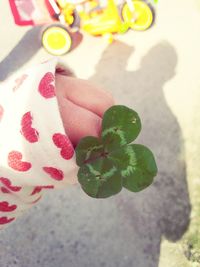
(156, 73)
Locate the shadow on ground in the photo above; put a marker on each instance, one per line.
(164, 209)
(26, 48)
(21, 53)
(68, 228)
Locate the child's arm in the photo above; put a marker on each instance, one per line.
(43, 116)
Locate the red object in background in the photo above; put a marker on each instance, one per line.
(31, 12)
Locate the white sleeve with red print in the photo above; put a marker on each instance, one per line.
(35, 152)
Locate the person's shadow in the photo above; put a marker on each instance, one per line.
(72, 229)
(164, 208)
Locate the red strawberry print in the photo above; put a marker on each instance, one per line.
(19, 81)
(4, 220)
(46, 88)
(38, 189)
(9, 187)
(54, 173)
(30, 134)
(63, 142)
(4, 190)
(1, 112)
(5, 207)
(16, 163)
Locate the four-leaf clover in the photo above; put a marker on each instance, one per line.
(110, 162)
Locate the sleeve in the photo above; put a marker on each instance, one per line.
(35, 152)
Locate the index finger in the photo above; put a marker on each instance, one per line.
(84, 94)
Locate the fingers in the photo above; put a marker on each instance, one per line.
(84, 94)
(82, 106)
(78, 122)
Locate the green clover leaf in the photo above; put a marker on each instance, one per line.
(120, 126)
(110, 162)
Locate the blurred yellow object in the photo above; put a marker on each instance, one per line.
(108, 37)
(102, 21)
(142, 13)
(56, 40)
(92, 16)
(96, 20)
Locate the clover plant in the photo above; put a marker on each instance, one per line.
(111, 162)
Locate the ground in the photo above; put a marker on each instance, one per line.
(156, 73)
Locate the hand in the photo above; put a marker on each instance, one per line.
(82, 106)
